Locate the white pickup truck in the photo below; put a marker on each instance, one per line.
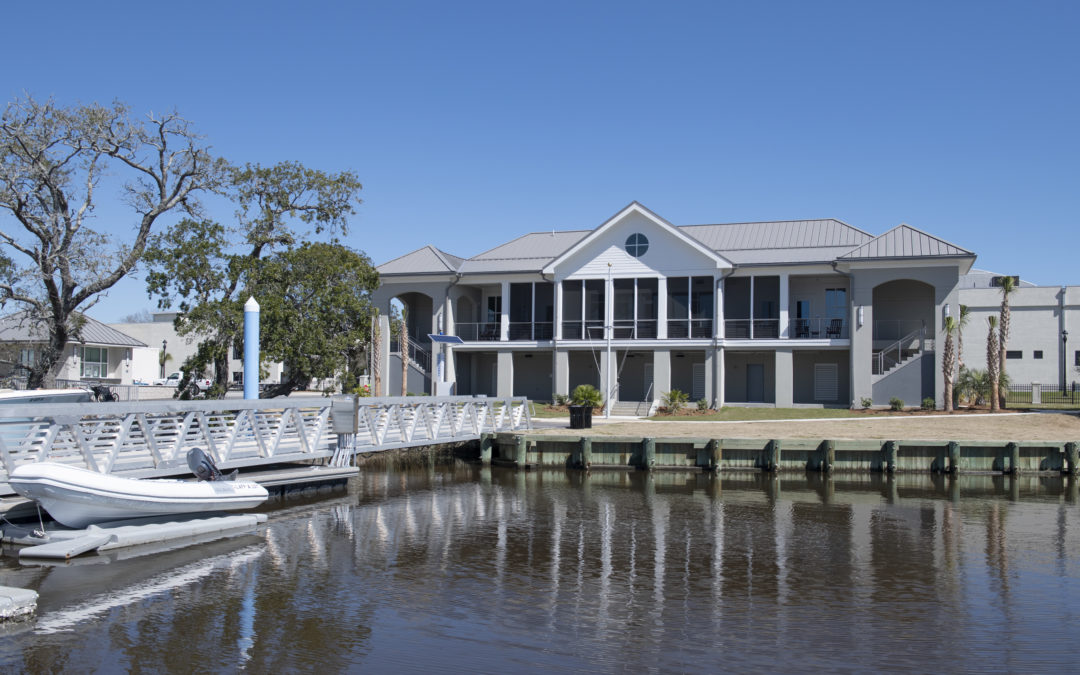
(173, 380)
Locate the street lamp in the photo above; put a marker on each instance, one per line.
(164, 348)
(1064, 357)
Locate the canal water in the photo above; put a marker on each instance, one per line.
(449, 567)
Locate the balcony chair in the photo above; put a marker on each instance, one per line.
(834, 328)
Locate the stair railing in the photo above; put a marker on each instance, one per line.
(884, 361)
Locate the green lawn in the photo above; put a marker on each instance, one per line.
(739, 414)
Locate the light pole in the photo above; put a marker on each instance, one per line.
(164, 348)
(1064, 358)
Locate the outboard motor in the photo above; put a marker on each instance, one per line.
(202, 465)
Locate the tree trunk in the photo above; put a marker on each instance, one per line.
(376, 357)
(295, 382)
(48, 364)
(404, 342)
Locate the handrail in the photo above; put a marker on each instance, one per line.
(880, 368)
(151, 438)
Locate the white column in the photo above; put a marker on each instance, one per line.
(718, 329)
(751, 308)
(785, 279)
(504, 316)
(557, 314)
(661, 309)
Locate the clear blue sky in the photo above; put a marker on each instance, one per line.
(471, 123)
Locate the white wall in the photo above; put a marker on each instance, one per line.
(1038, 315)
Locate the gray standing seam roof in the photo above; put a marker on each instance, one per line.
(904, 241)
(15, 328)
(764, 243)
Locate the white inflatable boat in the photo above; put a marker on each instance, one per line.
(77, 497)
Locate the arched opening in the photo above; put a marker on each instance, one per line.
(903, 342)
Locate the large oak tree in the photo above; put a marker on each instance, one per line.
(54, 261)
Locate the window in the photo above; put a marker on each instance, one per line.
(95, 362)
(494, 308)
(1014, 354)
(836, 303)
(26, 357)
(238, 350)
(1038, 354)
(1076, 357)
(637, 245)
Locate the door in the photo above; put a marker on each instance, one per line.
(755, 383)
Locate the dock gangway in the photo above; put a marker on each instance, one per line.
(150, 439)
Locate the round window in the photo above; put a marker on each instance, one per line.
(637, 245)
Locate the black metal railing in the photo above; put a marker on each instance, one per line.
(1043, 396)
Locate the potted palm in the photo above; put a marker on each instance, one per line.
(583, 399)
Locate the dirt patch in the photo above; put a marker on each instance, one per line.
(970, 427)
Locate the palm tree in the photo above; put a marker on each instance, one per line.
(163, 358)
(993, 362)
(1008, 286)
(376, 354)
(403, 339)
(948, 366)
(961, 324)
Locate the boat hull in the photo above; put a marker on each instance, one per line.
(78, 498)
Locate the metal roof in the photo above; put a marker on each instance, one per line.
(904, 241)
(427, 260)
(775, 235)
(18, 327)
(763, 243)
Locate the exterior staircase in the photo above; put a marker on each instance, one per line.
(899, 353)
(630, 408)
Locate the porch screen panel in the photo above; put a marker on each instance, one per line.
(544, 311)
(646, 308)
(623, 308)
(701, 307)
(594, 309)
(571, 310)
(678, 307)
(520, 311)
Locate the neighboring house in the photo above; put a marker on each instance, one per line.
(160, 334)
(1044, 329)
(100, 353)
(811, 312)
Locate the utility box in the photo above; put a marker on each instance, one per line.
(344, 414)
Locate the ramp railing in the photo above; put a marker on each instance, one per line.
(152, 438)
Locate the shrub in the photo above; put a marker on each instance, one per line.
(674, 400)
(896, 403)
(702, 404)
(928, 403)
(560, 399)
(586, 394)
(867, 402)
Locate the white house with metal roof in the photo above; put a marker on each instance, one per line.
(810, 312)
(98, 352)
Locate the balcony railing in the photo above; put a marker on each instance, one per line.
(583, 330)
(527, 330)
(763, 329)
(817, 327)
(473, 332)
(681, 329)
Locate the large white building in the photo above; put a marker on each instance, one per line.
(813, 312)
(1044, 334)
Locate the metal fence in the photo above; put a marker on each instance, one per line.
(1043, 396)
(152, 438)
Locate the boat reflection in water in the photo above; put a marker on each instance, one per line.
(450, 566)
